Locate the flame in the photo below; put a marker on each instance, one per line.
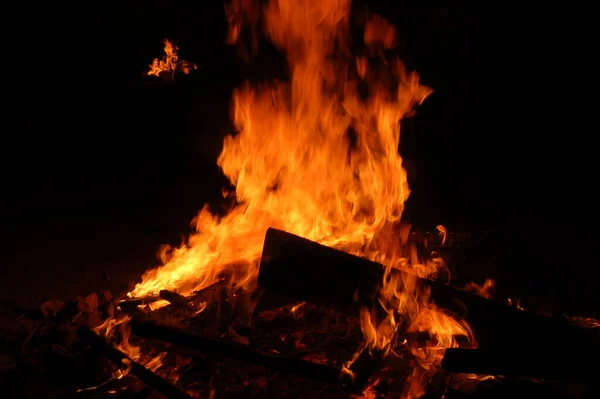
(116, 330)
(170, 62)
(484, 290)
(515, 303)
(317, 156)
(310, 157)
(442, 232)
(585, 322)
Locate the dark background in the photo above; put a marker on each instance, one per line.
(101, 167)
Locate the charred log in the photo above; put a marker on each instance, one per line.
(162, 386)
(296, 267)
(308, 271)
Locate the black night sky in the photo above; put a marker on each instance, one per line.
(101, 167)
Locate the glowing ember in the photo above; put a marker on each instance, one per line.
(170, 63)
(315, 158)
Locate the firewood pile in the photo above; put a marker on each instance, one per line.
(285, 339)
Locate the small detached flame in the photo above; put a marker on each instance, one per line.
(170, 62)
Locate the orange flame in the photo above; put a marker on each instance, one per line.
(311, 156)
(170, 63)
(515, 303)
(484, 290)
(316, 157)
(117, 330)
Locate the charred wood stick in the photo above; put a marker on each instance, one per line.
(173, 298)
(148, 377)
(547, 363)
(296, 267)
(131, 305)
(235, 350)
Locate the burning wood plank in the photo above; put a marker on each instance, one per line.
(133, 304)
(308, 271)
(303, 269)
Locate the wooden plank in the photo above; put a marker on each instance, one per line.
(308, 271)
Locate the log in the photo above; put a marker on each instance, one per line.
(296, 267)
(234, 350)
(299, 268)
(363, 367)
(161, 385)
(547, 363)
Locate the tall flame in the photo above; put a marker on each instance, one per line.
(317, 156)
(310, 157)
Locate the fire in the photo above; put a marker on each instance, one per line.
(318, 158)
(310, 157)
(170, 63)
(516, 303)
(117, 331)
(484, 290)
